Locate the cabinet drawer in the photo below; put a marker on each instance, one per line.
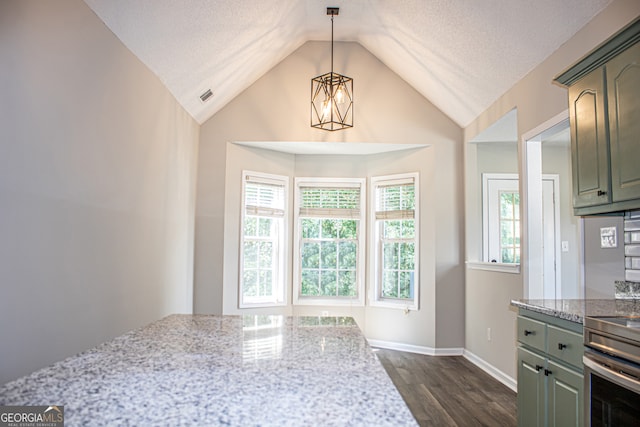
(565, 345)
(531, 332)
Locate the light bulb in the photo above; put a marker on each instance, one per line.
(339, 97)
(326, 108)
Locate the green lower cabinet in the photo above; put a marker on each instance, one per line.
(531, 389)
(550, 378)
(565, 394)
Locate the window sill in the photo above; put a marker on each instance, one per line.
(404, 305)
(342, 302)
(494, 266)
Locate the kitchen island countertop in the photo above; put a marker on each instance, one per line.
(575, 310)
(222, 370)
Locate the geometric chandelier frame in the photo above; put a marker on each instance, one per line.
(332, 95)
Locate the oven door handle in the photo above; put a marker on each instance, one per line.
(621, 379)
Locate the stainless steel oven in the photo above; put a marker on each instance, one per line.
(612, 371)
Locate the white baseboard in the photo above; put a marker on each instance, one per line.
(430, 351)
(492, 370)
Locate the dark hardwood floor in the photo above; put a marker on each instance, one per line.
(449, 391)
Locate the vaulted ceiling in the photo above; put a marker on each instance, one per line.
(461, 55)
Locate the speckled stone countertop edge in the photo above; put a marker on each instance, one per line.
(575, 310)
(573, 313)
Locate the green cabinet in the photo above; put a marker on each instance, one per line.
(589, 145)
(550, 378)
(623, 92)
(604, 112)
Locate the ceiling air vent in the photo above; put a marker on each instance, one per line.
(205, 96)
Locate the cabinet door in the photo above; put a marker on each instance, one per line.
(589, 143)
(623, 92)
(565, 394)
(531, 390)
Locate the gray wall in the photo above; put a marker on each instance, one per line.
(537, 99)
(387, 110)
(603, 266)
(97, 165)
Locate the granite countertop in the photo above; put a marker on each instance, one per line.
(575, 310)
(222, 370)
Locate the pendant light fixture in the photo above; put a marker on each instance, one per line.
(332, 95)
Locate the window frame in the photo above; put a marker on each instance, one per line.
(493, 185)
(375, 244)
(299, 299)
(280, 292)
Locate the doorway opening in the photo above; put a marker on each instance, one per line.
(553, 248)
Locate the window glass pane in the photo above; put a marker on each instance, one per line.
(310, 282)
(348, 254)
(328, 285)
(506, 205)
(264, 227)
(392, 229)
(250, 283)
(348, 229)
(266, 282)
(390, 256)
(390, 284)
(407, 256)
(250, 226)
(266, 254)
(347, 283)
(310, 255)
(330, 228)
(408, 229)
(250, 254)
(506, 233)
(405, 284)
(310, 228)
(507, 255)
(328, 252)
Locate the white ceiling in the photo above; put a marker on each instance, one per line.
(462, 55)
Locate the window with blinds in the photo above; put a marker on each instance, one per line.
(329, 255)
(395, 240)
(263, 250)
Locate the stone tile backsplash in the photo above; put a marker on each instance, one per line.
(632, 246)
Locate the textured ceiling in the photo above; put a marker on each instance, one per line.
(462, 55)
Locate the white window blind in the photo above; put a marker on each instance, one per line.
(396, 200)
(263, 197)
(335, 202)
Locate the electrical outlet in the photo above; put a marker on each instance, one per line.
(324, 313)
(565, 246)
(488, 334)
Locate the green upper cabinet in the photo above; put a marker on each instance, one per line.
(623, 91)
(604, 111)
(589, 143)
